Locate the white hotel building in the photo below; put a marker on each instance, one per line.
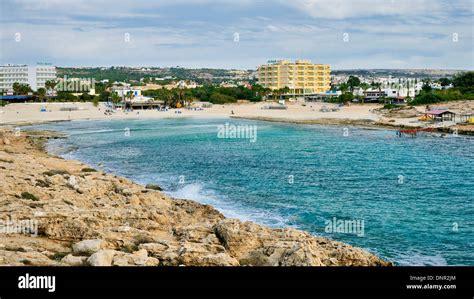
(35, 76)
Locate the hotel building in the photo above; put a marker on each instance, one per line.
(302, 77)
(35, 76)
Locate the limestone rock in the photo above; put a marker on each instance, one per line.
(72, 260)
(112, 221)
(255, 245)
(87, 247)
(138, 258)
(102, 258)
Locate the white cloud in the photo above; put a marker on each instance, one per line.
(341, 9)
(200, 33)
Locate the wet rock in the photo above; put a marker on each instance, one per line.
(153, 187)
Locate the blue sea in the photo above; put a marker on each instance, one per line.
(414, 196)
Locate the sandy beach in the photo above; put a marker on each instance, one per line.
(309, 113)
(30, 112)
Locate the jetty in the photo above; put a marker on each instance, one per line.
(414, 131)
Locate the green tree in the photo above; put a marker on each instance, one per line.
(104, 96)
(168, 97)
(364, 87)
(85, 97)
(285, 90)
(426, 87)
(50, 85)
(464, 82)
(343, 87)
(345, 97)
(353, 82)
(64, 96)
(41, 94)
(115, 99)
(444, 81)
(219, 98)
(21, 89)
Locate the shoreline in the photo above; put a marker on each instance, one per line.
(359, 123)
(88, 217)
(360, 115)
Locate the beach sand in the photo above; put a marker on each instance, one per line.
(308, 113)
(30, 112)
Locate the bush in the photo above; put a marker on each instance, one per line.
(390, 106)
(345, 97)
(55, 172)
(219, 98)
(28, 195)
(440, 96)
(464, 82)
(64, 96)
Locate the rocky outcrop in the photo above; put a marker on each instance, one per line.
(72, 215)
(87, 246)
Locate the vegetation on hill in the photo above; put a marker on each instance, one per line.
(463, 89)
(134, 75)
(207, 93)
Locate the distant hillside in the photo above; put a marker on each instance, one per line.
(206, 75)
(405, 73)
(129, 73)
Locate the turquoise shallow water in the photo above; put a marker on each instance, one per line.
(415, 196)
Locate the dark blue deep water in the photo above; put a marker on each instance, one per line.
(415, 196)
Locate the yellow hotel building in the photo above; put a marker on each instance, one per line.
(301, 77)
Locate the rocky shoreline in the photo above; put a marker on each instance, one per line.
(79, 216)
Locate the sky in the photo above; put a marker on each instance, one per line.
(239, 34)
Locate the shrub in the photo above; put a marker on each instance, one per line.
(219, 98)
(28, 195)
(55, 171)
(390, 106)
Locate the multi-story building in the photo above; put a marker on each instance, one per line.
(35, 76)
(302, 77)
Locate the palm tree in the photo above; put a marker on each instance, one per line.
(378, 85)
(50, 85)
(41, 94)
(343, 87)
(128, 96)
(266, 91)
(276, 93)
(115, 99)
(168, 97)
(364, 87)
(181, 97)
(285, 90)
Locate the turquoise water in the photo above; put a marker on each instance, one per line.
(414, 195)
